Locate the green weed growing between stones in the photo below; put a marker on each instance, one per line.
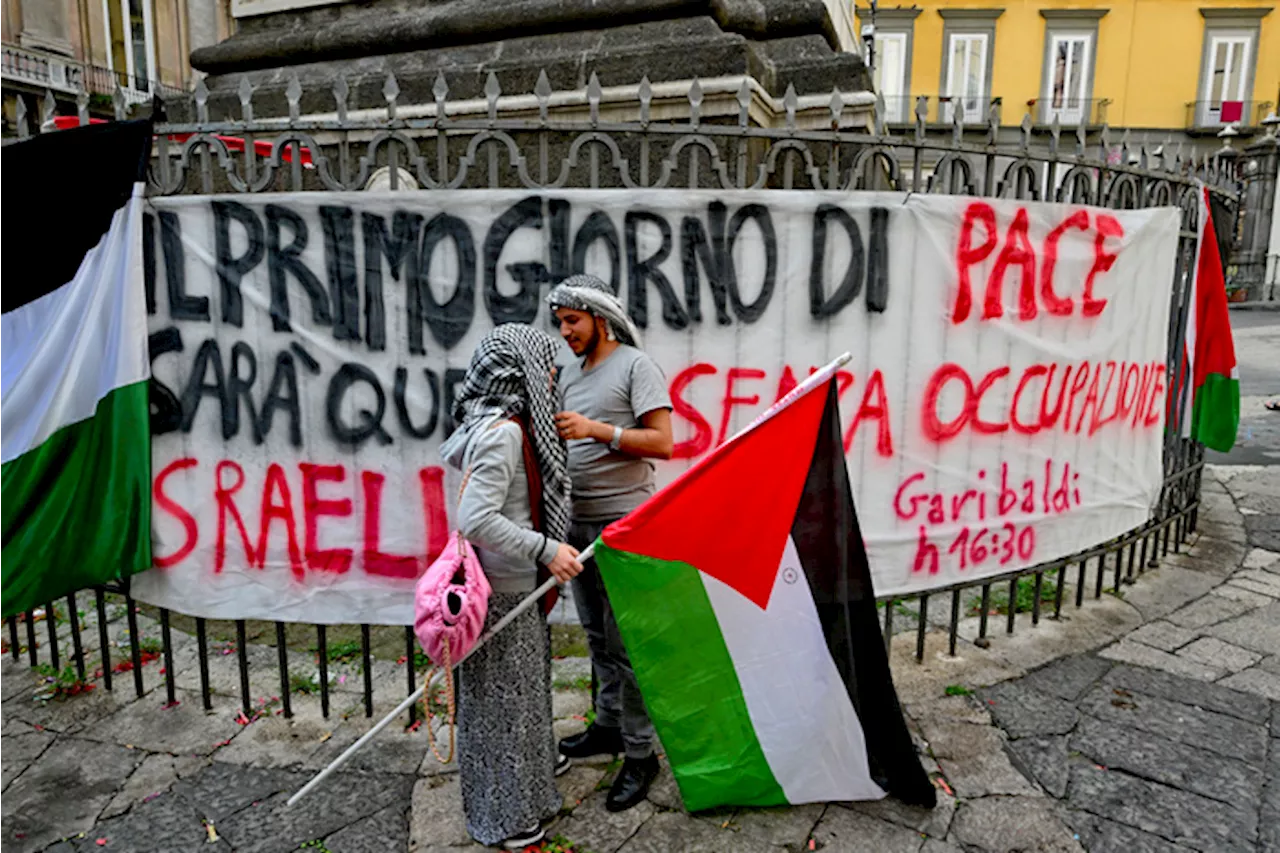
(60, 684)
(1024, 599)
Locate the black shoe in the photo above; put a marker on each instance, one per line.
(632, 784)
(529, 837)
(596, 740)
(564, 765)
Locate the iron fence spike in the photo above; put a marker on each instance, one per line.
(646, 98)
(341, 91)
(542, 91)
(48, 111)
(441, 90)
(791, 101)
(593, 97)
(492, 91)
(202, 100)
(293, 93)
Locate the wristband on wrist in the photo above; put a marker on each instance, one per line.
(616, 442)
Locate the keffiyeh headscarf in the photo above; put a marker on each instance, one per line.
(509, 377)
(587, 293)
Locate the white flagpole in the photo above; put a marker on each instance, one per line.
(506, 620)
(803, 388)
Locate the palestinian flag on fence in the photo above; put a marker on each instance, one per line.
(744, 597)
(1212, 413)
(77, 453)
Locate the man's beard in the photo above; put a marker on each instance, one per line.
(593, 342)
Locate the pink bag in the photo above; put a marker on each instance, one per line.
(451, 602)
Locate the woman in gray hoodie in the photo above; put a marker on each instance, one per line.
(514, 509)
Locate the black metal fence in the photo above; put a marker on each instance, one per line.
(720, 138)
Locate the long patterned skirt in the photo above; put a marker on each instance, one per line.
(506, 749)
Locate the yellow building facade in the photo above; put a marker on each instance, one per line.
(1192, 66)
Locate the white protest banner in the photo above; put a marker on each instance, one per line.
(1005, 404)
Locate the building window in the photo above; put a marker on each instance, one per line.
(1224, 82)
(891, 72)
(967, 74)
(131, 41)
(968, 38)
(1227, 66)
(1071, 38)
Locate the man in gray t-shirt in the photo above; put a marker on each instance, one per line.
(617, 418)
(618, 392)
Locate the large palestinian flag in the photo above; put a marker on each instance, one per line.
(744, 597)
(1212, 413)
(77, 456)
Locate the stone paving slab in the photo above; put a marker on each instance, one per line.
(1044, 759)
(1257, 630)
(973, 759)
(1256, 680)
(1162, 635)
(1100, 834)
(1206, 611)
(1239, 593)
(671, 831)
(1269, 813)
(38, 806)
(1220, 733)
(268, 826)
(167, 824)
(1212, 652)
(1161, 810)
(1012, 825)
(1261, 558)
(935, 822)
(379, 832)
(1022, 711)
(1129, 651)
(841, 829)
(1069, 677)
(1161, 759)
(1185, 690)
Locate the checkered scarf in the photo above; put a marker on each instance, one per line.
(510, 377)
(587, 293)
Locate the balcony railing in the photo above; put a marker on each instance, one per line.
(940, 109)
(1069, 112)
(1211, 115)
(51, 72)
(68, 76)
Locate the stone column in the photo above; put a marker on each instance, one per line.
(1258, 169)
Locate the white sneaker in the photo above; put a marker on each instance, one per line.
(531, 836)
